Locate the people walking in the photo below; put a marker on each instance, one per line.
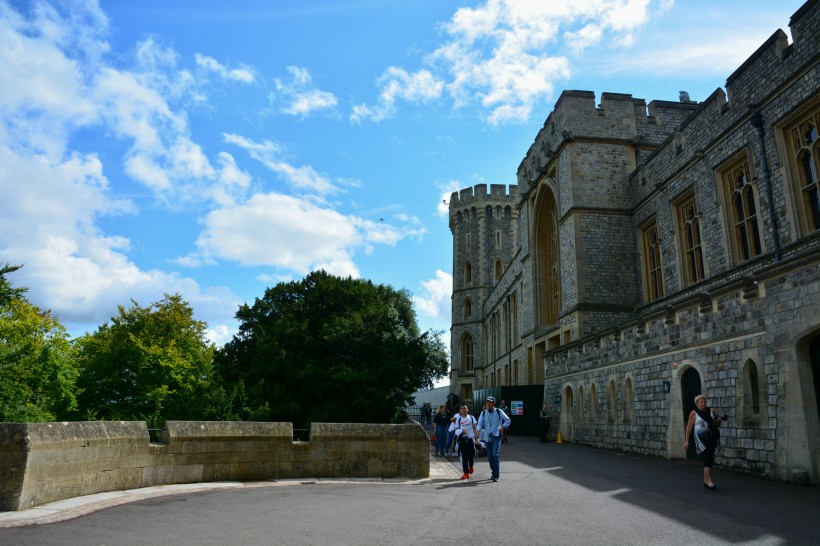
(442, 421)
(705, 424)
(451, 434)
(494, 422)
(546, 423)
(467, 433)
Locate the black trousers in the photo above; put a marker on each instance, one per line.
(545, 431)
(466, 447)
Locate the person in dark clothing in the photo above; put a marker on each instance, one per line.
(442, 421)
(546, 423)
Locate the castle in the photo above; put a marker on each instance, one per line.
(649, 253)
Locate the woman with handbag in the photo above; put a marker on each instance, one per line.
(704, 423)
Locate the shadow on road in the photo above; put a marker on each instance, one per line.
(743, 508)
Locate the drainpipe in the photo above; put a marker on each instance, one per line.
(757, 122)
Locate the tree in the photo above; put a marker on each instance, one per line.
(328, 349)
(150, 363)
(37, 366)
(7, 291)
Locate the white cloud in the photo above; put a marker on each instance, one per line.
(282, 231)
(304, 178)
(508, 55)
(682, 43)
(220, 334)
(52, 198)
(437, 301)
(300, 96)
(396, 83)
(244, 74)
(292, 234)
(443, 205)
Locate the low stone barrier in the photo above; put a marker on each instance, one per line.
(45, 462)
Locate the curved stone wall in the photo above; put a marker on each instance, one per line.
(45, 462)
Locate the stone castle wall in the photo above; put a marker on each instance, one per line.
(46, 462)
(611, 168)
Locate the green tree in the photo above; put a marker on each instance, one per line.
(7, 291)
(328, 349)
(150, 363)
(37, 366)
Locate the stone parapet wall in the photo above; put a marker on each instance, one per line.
(46, 462)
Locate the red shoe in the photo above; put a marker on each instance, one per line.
(465, 476)
(471, 470)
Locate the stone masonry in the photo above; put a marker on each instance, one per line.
(649, 252)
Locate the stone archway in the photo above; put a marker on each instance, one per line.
(568, 414)
(679, 408)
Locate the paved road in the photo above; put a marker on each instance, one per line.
(548, 494)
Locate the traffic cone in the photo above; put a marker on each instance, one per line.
(558, 440)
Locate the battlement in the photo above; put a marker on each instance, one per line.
(745, 87)
(619, 117)
(478, 195)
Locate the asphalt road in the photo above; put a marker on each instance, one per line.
(548, 494)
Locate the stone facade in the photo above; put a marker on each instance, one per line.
(649, 252)
(46, 462)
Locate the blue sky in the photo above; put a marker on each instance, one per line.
(216, 148)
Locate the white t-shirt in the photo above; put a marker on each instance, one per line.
(465, 426)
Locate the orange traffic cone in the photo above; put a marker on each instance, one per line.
(558, 440)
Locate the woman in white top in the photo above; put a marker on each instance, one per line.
(467, 434)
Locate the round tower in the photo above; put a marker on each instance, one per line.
(484, 243)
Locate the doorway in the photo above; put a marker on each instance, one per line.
(690, 387)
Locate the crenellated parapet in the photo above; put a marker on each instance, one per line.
(754, 89)
(745, 87)
(477, 197)
(619, 118)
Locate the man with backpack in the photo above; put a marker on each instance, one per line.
(495, 422)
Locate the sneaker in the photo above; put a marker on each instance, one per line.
(471, 470)
(465, 476)
(495, 478)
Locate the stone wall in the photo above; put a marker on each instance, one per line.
(45, 462)
(746, 327)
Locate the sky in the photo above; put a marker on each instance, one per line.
(214, 149)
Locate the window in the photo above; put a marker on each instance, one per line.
(515, 372)
(628, 400)
(469, 242)
(593, 402)
(690, 239)
(803, 154)
(612, 408)
(530, 379)
(506, 328)
(582, 405)
(515, 318)
(468, 273)
(497, 239)
(498, 270)
(751, 390)
(548, 282)
(741, 210)
(468, 308)
(467, 352)
(485, 338)
(651, 257)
